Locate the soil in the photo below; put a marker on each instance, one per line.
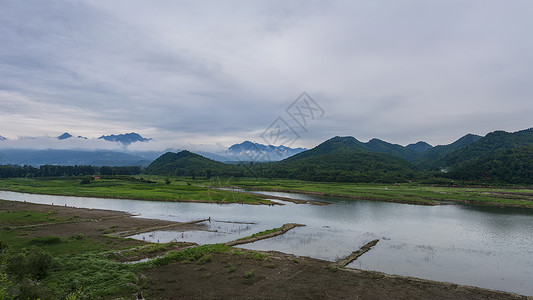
(230, 276)
(282, 276)
(92, 223)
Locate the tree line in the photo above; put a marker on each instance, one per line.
(12, 171)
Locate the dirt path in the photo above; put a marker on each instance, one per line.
(355, 255)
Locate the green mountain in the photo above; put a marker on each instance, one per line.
(507, 166)
(431, 157)
(379, 146)
(419, 147)
(188, 163)
(343, 159)
(487, 145)
(498, 157)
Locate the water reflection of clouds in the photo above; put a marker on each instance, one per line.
(462, 244)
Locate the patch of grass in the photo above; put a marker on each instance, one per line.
(20, 218)
(294, 260)
(195, 254)
(77, 236)
(99, 277)
(231, 269)
(259, 256)
(264, 232)
(249, 274)
(204, 259)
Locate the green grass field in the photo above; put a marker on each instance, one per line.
(407, 192)
(177, 190)
(203, 190)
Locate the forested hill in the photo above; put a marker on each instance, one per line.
(343, 159)
(498, 157)
(188, 163)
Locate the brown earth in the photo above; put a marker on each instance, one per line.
(95, 224)
(282, 276)
(246, 276)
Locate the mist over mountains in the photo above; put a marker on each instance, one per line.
(500, 155)
(118, 150)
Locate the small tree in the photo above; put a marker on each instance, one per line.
(167, 181)
(86, 180)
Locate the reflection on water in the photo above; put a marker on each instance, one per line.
(483, 246)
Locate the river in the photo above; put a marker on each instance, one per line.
(488, 247)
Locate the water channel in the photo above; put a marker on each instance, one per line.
(488, 247)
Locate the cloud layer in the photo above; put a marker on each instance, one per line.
(190, 72)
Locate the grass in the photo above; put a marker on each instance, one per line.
(248, 274)
(98, 277)
(408, 193)
(178, 190)
(261, 233)
(200, 254)
(19, 218)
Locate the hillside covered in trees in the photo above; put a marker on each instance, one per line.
(498, 157)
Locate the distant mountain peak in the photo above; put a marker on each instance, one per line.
(64, 136)
(248, 150)
(125, 139)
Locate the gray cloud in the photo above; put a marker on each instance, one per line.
(188, 72)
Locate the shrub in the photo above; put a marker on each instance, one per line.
(78, 236)
(45, 240)
(86, 180)
(33, 263)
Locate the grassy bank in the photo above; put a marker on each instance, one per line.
(406, 193)
(128, 188)
(203, 190)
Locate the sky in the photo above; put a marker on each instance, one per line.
(214, 73)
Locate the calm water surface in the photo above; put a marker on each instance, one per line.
(481, 246)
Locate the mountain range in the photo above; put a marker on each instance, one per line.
(497, 157)
(245, 151)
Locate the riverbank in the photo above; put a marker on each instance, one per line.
(409, 193)
(237, 273)
(130, 188)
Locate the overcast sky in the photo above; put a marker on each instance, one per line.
(208, 72)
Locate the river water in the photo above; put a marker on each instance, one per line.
(487, 247)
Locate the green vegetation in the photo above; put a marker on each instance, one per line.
(265, 232)
(405, 192)
(19, 218)
(50, 267)
(128, 188)
(186, 163)
(497, 158)
(248, 274)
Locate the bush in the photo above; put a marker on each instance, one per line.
(86, 180)
(77, 236)
(33, 263)
(45, 240)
